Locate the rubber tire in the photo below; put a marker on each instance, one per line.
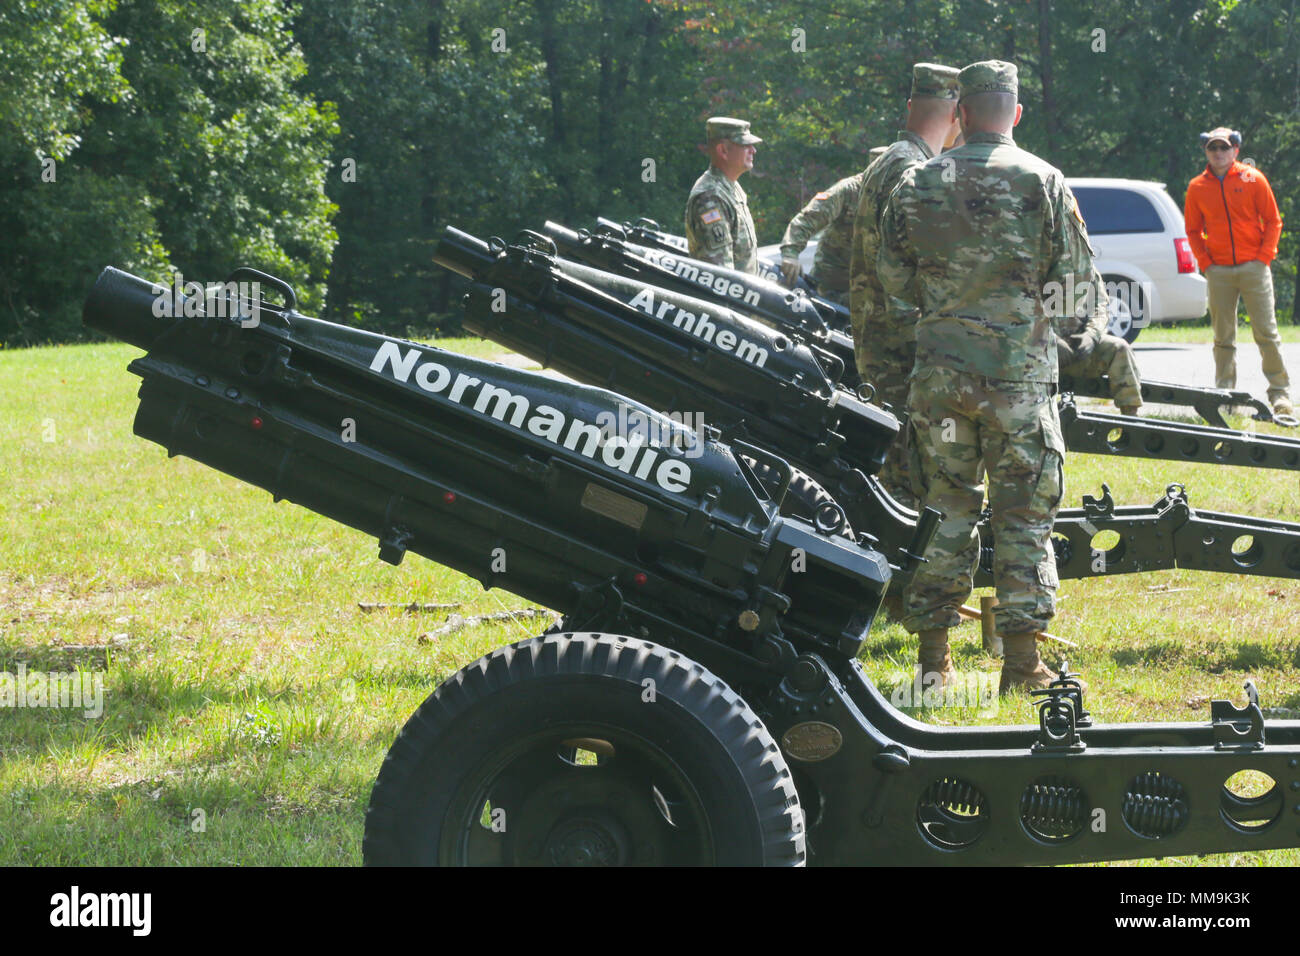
(710, 733)
(802, 498)
(1133, 330)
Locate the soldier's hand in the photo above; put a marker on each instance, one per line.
(1083, 343)
(789, 272)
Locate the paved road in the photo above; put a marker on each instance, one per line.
(1194, 364)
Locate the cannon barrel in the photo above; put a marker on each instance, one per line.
(123, 306)
(764, 299)
(462, 253)
(573, 496)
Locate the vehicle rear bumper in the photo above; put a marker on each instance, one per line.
(1181, 298)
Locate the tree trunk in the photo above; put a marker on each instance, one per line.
(1050, 124)
(550, 52)
(604, 145)
(433, 32)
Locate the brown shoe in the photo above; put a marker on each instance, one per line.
(1022, 668)
(1282, 406)
(1129, 410)
(935, 658)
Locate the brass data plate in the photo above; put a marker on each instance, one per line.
(611, 504)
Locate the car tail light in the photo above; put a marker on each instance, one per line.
(1183, 248)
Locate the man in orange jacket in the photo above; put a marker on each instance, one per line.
(1233, 227)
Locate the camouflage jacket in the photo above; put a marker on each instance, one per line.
(976, 240)
(866, 298)
(833, 211)
(719, 228)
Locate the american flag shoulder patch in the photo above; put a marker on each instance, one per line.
(710, 216)
(822, 195)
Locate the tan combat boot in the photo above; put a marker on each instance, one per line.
(1022, 668)
(1129, 410)
(934, 658)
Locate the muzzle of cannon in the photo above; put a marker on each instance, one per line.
(700, 702)
(643, 340)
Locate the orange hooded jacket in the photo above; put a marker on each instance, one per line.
(1233, 220)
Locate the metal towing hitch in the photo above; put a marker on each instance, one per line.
(701, 702)
(775, 390)
(1209, 403)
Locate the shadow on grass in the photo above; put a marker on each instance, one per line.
(140, 704)
(1212, 657)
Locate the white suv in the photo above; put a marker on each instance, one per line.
(1141, 250)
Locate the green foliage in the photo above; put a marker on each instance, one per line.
(196, 151)
(53, 53)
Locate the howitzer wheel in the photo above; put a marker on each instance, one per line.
(584, 749)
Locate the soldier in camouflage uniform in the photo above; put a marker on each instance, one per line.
(882, 340)
(971, 241)
(719, 228)
(833, 211)
(1086, 350)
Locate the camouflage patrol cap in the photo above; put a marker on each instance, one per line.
(719, 128)
(933, 79)
(989, 76)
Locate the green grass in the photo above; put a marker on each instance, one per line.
(1200, 333)
(243, 681)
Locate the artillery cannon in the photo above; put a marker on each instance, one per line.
(700, 701)
(770, 389)
(1084, 430)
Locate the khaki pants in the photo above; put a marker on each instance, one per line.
(1252, 281)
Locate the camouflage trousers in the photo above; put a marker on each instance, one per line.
(1113, 357)
(961, 426)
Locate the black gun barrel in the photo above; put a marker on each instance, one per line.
(462, 253)
(127, 307)
(585, 501)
